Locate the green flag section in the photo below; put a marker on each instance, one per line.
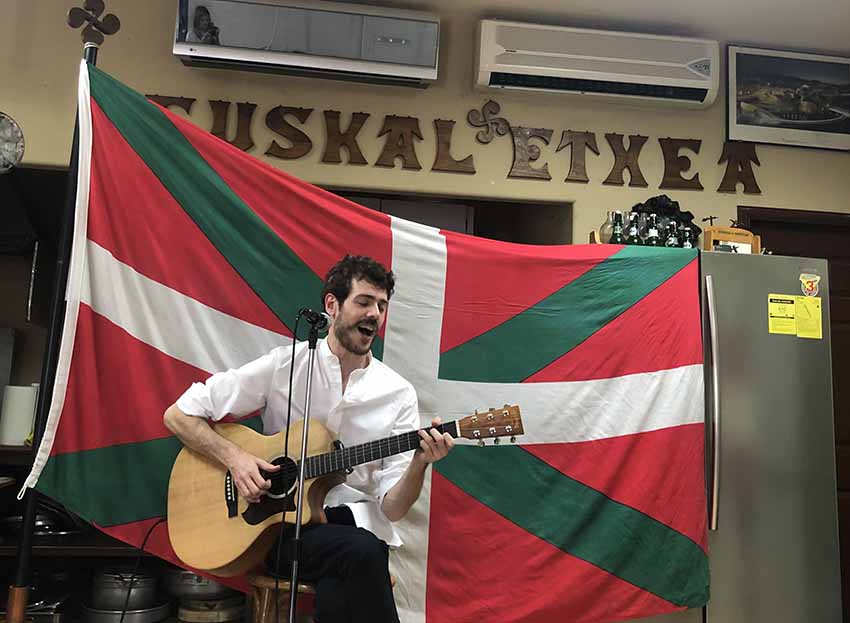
(535, 337)
(514, 576)
(583, 522)
(195, 257)
(117, 484)
(526, 500)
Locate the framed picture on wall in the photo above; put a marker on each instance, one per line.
(788, 98)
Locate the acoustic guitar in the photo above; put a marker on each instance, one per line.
(214, 529)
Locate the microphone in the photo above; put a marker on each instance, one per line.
(320, 320)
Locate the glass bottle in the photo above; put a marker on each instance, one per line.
(617, 236)
(672, 237)
(633, 230)
(607, 228)
(652, 237)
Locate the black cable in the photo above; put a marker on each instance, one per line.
(282, 532)
(136, 568)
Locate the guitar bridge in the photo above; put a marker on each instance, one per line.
(231, 496)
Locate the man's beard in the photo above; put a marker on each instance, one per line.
(349, 336)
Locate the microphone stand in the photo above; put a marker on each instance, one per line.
(312, 339)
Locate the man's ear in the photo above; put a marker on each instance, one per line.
(331, 305)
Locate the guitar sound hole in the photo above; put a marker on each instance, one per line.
(283, 481)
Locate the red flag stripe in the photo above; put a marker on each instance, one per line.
(634, 470)
(554, 586)
(152, 233)
(659, 332)
(307, 218)
(115, 377)
(489, 282)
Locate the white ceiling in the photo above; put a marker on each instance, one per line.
(820, 26)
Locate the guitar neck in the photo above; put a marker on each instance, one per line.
(346, 458)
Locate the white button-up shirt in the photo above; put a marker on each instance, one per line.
(377, 403)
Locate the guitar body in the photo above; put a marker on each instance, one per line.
(216, 532)
(213, 529)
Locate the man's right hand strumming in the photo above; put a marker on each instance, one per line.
(196, 433)
(245, 469)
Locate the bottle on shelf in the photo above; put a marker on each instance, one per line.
(617, 236)
(687, 238)
(671, 238)
(607, 228)
(652, 237)
(633, 230)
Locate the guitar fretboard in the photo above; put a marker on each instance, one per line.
(345, 458)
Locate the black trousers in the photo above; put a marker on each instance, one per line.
(350, 568)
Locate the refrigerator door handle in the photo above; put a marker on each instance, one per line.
(715, 403)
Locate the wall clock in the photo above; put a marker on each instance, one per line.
(11, 143)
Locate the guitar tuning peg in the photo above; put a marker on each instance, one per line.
(513, 438)
(496, 441)
(481, 443)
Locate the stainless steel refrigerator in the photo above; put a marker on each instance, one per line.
(773, 518)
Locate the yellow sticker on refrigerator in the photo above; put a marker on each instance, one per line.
(782, 314)
(809, 317)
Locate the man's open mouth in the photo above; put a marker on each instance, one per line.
(366, 330)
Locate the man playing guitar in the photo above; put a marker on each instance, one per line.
(358, 398)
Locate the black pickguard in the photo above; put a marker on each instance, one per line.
(266, 507)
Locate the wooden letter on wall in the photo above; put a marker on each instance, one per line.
(277, 123)
(444, 160)
(244, 115)
(624, 159)
(675, 163)
(581, 142)
(525, 153)
(169, 100)
(401, 133)
(336, 139)
(739, 158)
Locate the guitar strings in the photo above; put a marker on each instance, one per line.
(344, 458)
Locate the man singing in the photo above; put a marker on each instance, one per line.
(359, 399)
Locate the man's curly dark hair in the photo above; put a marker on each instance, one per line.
(339, 277)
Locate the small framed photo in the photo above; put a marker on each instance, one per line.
(788, 98)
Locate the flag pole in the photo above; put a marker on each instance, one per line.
(92, 38)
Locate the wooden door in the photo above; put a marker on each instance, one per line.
(822, 235)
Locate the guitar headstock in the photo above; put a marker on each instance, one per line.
(502, 422)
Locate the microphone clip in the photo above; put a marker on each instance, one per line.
(318, 320)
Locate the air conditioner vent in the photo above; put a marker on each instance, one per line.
(574, 85)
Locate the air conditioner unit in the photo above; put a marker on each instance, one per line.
(319, 39)
(636, 67)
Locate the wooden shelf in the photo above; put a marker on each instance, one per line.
(16, 455)
(90, 545)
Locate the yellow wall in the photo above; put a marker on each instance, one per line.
(39, 88)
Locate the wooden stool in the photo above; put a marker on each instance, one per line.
(263, 600)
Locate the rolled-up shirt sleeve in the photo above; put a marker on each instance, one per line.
(236, 392)
(393, 467)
